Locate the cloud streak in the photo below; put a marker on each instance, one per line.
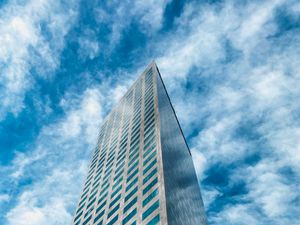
(52, 166)
(32, 37)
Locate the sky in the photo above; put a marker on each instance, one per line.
(232, 72)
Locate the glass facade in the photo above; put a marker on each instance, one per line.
(126, 178)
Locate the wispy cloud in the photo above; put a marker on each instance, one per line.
(119, 16)
(32, 37)
(4, 198)
(52, 166)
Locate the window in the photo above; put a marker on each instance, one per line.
(83, 195)
(149, 124)
(149, 92)
(154, 221)
(134, 191)
(125, 125)
(149, 109)
(107, 173)
(87, 186)
(148, 105)
(149, 158)
(100, 207)
(133, 159)
(138, 99)
(113, 211)
(133, 135)
(150, 185)
(115, 219)
(149, 166)
(149, 121)
(149, 129)
(115, 200)
(87, 220)
(148, 99)
(136, 113)
(130, 215)
(91, 203)
(121, 153)
(82, 200)
(150, 197)
(137, 118)
(150, 175)
(135, 145)
(135, 127)
(133, 166)
(149, 150)
(149, 142)
(92, 167)
(136, 139)
(103, 197)
(152, 208)
(101, 161)
(117, 183)
(124, 131)
(99, 216)
(89, 178)
(88, 212)
(78, 215)
(121, 159)
(132, 154)
(120, 167)
(149, 136)
(97, 179)
(129, 205)
(124, 134)
(116, 191)
(123, 145)
(131, 184)
(105, 184)
(109, 160)
(119, 174)
(92, 195)
(132, 175)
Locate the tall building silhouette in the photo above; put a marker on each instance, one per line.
(141, 171)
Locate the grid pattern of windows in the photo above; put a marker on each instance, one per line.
(124, 167)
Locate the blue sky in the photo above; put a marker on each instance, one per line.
(232, 72)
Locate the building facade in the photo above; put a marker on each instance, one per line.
(141, 171)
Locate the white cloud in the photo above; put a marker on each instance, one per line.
(151, 13)
(275, 202)
(24, 46)
(85, 119)
(120, 14)
(89, 46)
(21, 160)
(36, 206)
(4, 198)
(236, 215)
(201, 162)
(56, 163)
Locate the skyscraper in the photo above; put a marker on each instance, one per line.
(141, 171)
